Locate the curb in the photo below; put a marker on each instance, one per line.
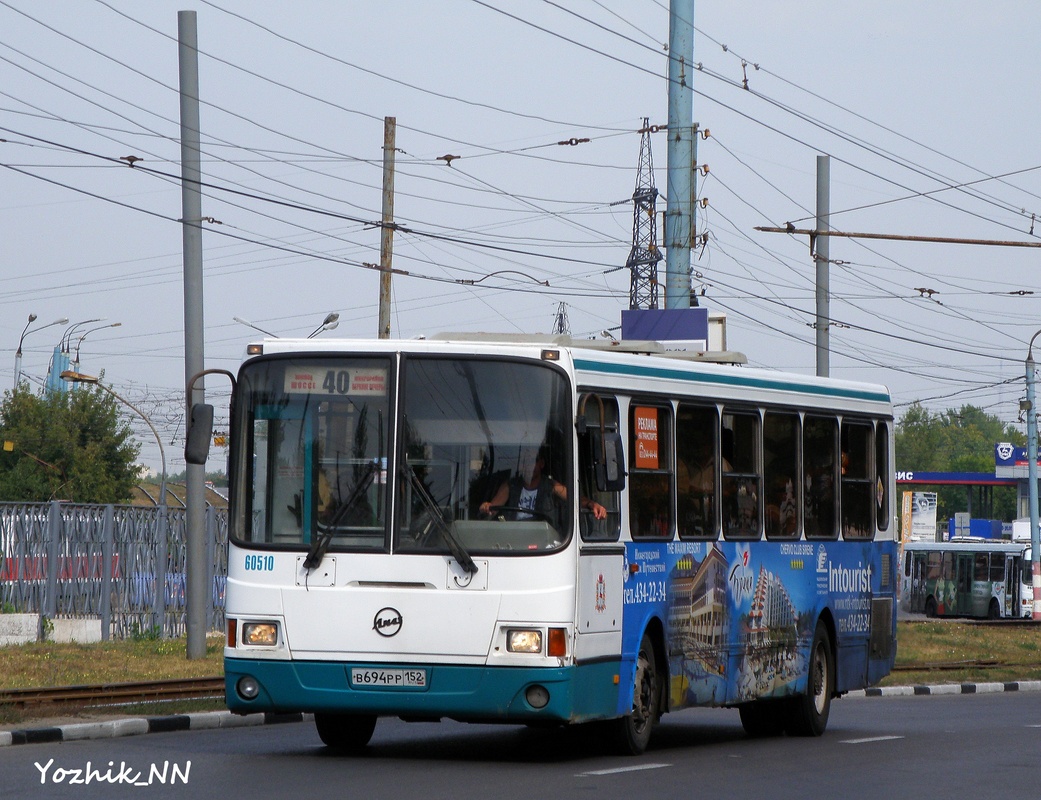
(948, 688)
(133, 726)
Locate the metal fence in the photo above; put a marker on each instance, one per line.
(123, 565)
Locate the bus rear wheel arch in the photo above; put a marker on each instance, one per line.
(930, 607)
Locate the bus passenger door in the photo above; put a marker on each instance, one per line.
(601, 557)
(917, 592)
(1011, 606)
(963, 605)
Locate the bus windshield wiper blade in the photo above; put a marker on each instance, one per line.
(434, 511)
(321, 543)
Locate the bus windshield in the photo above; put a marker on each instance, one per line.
(485, 456)
(313, 439)
(481, 463)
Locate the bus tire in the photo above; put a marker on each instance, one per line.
(808, 713)
(994, 612)
(763, 718)
(632, 733)
(930, 607)
(345, 732)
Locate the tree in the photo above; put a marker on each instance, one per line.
(65, 446)
(955, 441)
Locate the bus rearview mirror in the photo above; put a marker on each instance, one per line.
(199, 434)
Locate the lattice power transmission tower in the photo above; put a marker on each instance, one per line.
(560, 320)
(644, 256)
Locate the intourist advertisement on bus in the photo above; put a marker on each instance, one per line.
(739, 617)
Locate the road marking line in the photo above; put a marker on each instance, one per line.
(871, 739)
(617, 770)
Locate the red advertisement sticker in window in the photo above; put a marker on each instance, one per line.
(645, 421)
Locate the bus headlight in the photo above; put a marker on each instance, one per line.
(524, 641)
(260, 634)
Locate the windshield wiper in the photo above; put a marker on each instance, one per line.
(434, 512)
(321, 544)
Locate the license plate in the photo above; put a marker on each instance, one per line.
(389, 678)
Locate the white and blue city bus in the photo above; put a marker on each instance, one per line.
(747, 556)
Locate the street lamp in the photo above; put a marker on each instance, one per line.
(77, 377)
(1035, 556)
(331, 321)
(65, 345)
(76, 360)
(249, 324)
(60, 359)
(18, 352)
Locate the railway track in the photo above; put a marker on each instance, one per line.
(65, 697)
(951, 666)
(113, 693)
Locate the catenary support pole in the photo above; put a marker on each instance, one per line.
(1035, 556)
(387, 231)
(680, 191)
(821, 256)
(191, 230)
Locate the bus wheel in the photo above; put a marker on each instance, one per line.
(994, 612)
(930, 607)
(763, 718)
(345, 731)
(808, 713)
(633, 731)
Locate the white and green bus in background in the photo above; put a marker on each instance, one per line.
(967, 578)
(542, 530)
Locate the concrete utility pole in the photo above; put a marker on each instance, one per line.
(196, 570)
(681, 185)
(390, 126)
(821, 255)
(1035, 549)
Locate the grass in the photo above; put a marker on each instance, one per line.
(43, 664)
(948, 642)
(47, 664)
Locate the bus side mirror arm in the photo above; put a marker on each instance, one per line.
(606, 451)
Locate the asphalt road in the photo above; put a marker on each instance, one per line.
(980, 746)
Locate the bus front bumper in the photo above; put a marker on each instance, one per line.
(469, 693)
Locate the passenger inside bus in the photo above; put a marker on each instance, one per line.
(531, 493)
(696, 483)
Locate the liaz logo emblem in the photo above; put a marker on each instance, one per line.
(387, 622)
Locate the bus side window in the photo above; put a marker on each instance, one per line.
(697, 473)
(650, 472)
(592, 529)
(882, 476)
(742, 478)
(781, 475)
(857, 485)
(819, 446)
(933, 566)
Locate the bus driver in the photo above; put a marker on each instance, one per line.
(532, 489)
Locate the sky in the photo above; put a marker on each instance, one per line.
(926, 108)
